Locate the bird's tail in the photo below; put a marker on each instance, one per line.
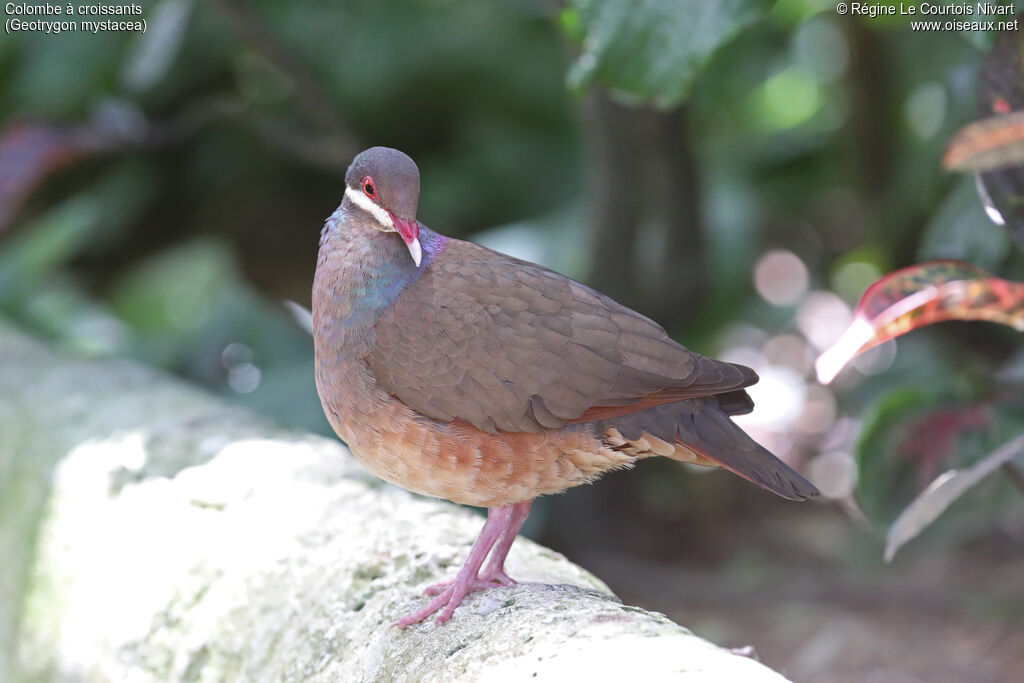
(700, 428)
(719, 440)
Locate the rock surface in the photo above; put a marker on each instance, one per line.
(150, 532)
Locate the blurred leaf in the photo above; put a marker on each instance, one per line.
(885, 480)
(176, 298)
(260, 81)
(1012, 372)
(59, 76)
(32, 151)
(1002, 195)
(302, 316)
(123, 191)
(49, 242)
(652, 50)
(178, 290)
(960, 230)
(1001, 81)
(1001, 91)
(60, 309)
(29, 152)
(910, 435)
(987, 144)
(921, 295)
(942, 492)
(154, 51)
(189, 305)
(931, 440)
(569, 21)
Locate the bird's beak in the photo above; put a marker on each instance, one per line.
(410, 232)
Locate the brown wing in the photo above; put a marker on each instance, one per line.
(508, 345)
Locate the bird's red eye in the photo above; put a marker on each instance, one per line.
(369, 187)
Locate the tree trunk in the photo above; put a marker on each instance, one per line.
(645, 185)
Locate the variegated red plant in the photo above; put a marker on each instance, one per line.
(30, 151)
(987, 144)
(920, 295)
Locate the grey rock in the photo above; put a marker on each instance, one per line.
(150, 532)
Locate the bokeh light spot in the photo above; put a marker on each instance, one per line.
(835, 474)
(877, 360)
(779, 397)
(788, 99)
(821, 48)
(244, 378)
(780, 277)
(852, 279)
(822, 317)
(819, 411)
(925, 110)
(790, 350)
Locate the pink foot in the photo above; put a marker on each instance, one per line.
(498, 533)
(449, 597)
(482, 581)
(500, 578)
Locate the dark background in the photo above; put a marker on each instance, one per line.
(162, 194)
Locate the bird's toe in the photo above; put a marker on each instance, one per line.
(448, 596)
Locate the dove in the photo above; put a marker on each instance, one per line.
(458, 372)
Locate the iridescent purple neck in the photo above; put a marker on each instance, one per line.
(363, 271)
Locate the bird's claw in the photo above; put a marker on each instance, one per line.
(448, 596)
(446, 600)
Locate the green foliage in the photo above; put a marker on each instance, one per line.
(894, 463)
(190, 309)
(961, 230)
(944, 491)
(887, 481)
(55, 237)
(651, 50)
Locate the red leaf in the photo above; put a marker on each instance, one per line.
(932, 438)
(989, 143)
(921, 295)
(29, 152)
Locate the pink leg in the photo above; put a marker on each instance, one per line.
(494, 572)
(501, 527)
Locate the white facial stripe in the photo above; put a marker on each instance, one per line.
(367, 205)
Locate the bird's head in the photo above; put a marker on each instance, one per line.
(385, 184)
